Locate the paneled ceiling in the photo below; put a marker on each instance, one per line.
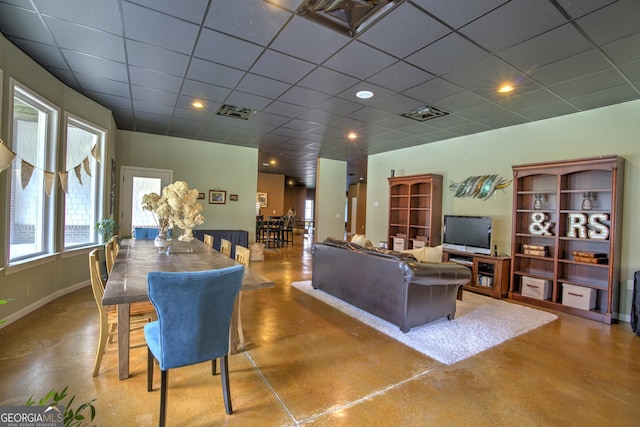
(149, 60)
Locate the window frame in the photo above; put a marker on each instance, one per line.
(97, 179)
(47, 213)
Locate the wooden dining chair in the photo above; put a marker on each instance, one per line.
(111, 249)
(194, 316)
(225, 247)
(243, 255)
(140, 312)
(208, 240)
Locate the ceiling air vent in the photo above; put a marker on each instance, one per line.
(235, 112)
(347, 16)
(424, 113)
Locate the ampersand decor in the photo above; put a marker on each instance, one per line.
(538, 224)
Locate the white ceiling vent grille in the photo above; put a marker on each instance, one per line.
(235, 112)
(347, 16)
(424, 113)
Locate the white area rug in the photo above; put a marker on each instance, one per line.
(481, 322)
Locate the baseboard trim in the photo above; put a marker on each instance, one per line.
(41, 303)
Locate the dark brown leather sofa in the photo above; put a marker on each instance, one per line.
(390, 285)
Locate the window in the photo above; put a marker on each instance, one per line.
(82, 198)
(33, 139)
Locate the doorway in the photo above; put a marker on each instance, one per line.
(136, 182)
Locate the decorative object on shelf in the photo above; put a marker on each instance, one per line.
(597, 229)
(539, 226)
(479, 187)
(537, 204)
(217, 197)
(587, 203)
(178, 206)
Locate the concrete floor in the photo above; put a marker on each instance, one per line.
(309, 364)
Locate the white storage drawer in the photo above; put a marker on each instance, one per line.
(536, 288)
(398, 244)
(579, 296)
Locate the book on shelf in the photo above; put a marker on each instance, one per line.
(585, 254)
(535, 252)
(534, 247)
(590, 260)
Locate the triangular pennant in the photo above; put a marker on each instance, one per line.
(78, 171)
(64, 181)
(48, 182)
(26, 170)
(95, 154)
(6, 156)
(87, 165)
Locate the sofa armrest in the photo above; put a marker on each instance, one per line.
(439, 273)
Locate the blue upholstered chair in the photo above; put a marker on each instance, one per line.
(194, 315)
(143, 233)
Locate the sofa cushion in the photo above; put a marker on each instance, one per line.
(361, 240)
(426, 253)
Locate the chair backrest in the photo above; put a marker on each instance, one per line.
(111, 249)
(143, 233)
(243, 255)
(225, 247)
(208, 240)
(97, 284)
(194, 313)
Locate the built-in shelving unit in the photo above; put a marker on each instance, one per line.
(566, 232)
(415, 211)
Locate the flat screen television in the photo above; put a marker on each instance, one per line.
(467, 233)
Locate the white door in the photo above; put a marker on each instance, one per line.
(136, 182)
(354, 215)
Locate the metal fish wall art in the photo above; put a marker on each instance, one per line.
(479, 187)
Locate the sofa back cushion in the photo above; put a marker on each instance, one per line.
(426, 253)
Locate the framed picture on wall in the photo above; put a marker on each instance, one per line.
(217, 197)
(200, 196)
(261, 199)
(233, 197)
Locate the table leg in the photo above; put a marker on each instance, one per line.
(236, 336)
(123, 340)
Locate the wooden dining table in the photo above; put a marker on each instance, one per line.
(127, 282)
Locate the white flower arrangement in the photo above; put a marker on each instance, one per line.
(178, 206)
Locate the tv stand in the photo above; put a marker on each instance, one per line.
(489, 274)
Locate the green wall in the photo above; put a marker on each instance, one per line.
(33, 284)
(205, 166)
(609, 130)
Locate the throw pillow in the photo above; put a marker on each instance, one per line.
(426, 253)
(359, 239)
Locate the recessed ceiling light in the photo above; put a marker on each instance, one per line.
(352, 135)
(273, 162)
(364, 94)
(505, 89)
(265, 164)
(197, 104)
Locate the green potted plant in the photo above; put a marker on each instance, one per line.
(107, 227)
(72, 416)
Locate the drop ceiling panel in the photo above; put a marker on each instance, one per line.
(158, 29)
(359, 60)
(94, 84)
(96, 66)
(449, 53)
(226, 50)
(156, 58)
(191, 10)
(48, 56)
(204, 91)
(517, 21)
(208, 72)
(102, 15)
(281, 67)
(327, 81)
(492, 70)
(400, 76)
(546, 48)
(308, 40)
(24, 23)
(624, 50)
(570, 68)
(255, 21)
(433, 90)
(144, 77)
(304, 97)
(262, 86)
(617, 21)
(418, 29)
(86, 40)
